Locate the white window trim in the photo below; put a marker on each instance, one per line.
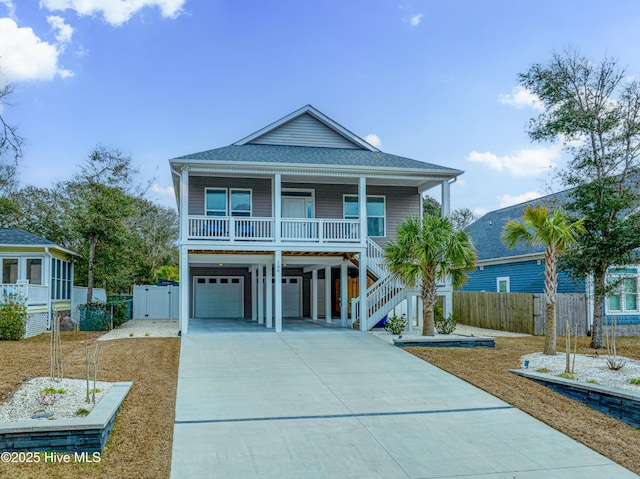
(227, 193)
(384, 217)
(18, 273)
(507, 279)
(623, 311)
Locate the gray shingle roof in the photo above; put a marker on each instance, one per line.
(486, 232)
(16, 236)
(304, 155)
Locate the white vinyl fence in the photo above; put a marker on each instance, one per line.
(79, 296)
(156, 302)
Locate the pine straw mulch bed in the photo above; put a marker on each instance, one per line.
(488, 369)
(140, 443)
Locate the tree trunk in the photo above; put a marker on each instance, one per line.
(597, 339)
(550, 337)
(92, 257)
(429, 290)
(550, 296)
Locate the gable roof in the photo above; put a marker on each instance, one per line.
(21, 238)
(306, 126)
(487, 231)
(307, 137)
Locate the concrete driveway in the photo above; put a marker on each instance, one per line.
(344, 404)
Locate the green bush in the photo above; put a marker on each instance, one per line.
(395, 324)
(13, 318)
(120, 311)
(96, 316)
(443, 325)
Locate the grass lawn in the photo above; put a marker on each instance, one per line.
(488, 370)
(140, 443)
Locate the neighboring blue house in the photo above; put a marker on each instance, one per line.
(521, 269)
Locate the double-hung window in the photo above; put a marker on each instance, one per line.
(624, 296)
(375, 213)
(227, 202)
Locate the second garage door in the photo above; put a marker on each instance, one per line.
(218, 297)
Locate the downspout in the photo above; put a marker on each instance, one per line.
(49, 302)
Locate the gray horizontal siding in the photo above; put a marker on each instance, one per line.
(305, 130)
(260, 192)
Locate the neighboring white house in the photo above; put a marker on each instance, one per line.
(290, 222)
(38, 270)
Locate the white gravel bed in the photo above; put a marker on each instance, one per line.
(143, 328)
(28, 401)
(588, 368)
(460, 331)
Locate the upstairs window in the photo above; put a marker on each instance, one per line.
(375, 213)
(221, 202)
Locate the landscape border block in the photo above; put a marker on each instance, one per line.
(620, 404)
(447, 341)
(85, 434)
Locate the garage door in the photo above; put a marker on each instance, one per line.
(291, 297)
(218, 297)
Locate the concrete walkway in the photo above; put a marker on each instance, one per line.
(342, 404)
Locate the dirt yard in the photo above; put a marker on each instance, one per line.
(488, 370)
(140, 443)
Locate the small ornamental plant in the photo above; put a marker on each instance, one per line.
(395, 324)
(13, 317)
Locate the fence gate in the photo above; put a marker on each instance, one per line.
(570, 307)
(156, 302)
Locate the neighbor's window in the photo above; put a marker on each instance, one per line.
(10, 270)
(34, 271)
(624, 297)
(375, 213)
(215, 202)
(503, 284)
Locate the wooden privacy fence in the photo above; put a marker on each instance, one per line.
(519, 312)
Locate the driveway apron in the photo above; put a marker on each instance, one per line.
(344, 404)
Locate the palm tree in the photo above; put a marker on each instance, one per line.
(425, 252)
(555, 231)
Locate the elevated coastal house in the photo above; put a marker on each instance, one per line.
(290, 221)
(38, 270)
(521, 269)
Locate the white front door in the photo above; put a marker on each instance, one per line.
(294, 207)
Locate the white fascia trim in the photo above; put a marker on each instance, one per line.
(318, 116)
(296, 169)
(511, 259)
(43, 247)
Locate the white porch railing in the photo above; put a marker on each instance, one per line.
(225, 228)
(315, 230)
(375, 259)
(32, 293)
(382, 296)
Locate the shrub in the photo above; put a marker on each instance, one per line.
(634, 381)
(82, 412)
(13, 317)
(543, 370)
(566, 376)
(444, 325)
(395, 324)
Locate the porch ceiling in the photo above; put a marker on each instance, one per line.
(244, 259)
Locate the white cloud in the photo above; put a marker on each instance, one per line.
(62, 31)
(167, 191)
(508, 200)
(520, 98)
(24, 56)
(11, 7)
(415, 20)
(115, 12)
(527, 162)
(373, 140)
(479, 211)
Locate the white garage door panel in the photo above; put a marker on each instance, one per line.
(218, 297)
(291, 296)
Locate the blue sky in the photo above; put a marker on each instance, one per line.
(432, 80)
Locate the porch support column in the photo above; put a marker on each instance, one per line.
(314, 295)
(184, 203)
(362, 208)
(269, 293)
(344, 294)
(254, 293)
(186, 285)
(327, 294)
(410, 300)
(362, 286)
(277, 206)
(278, 290)
(446, 198)
(260, 295)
